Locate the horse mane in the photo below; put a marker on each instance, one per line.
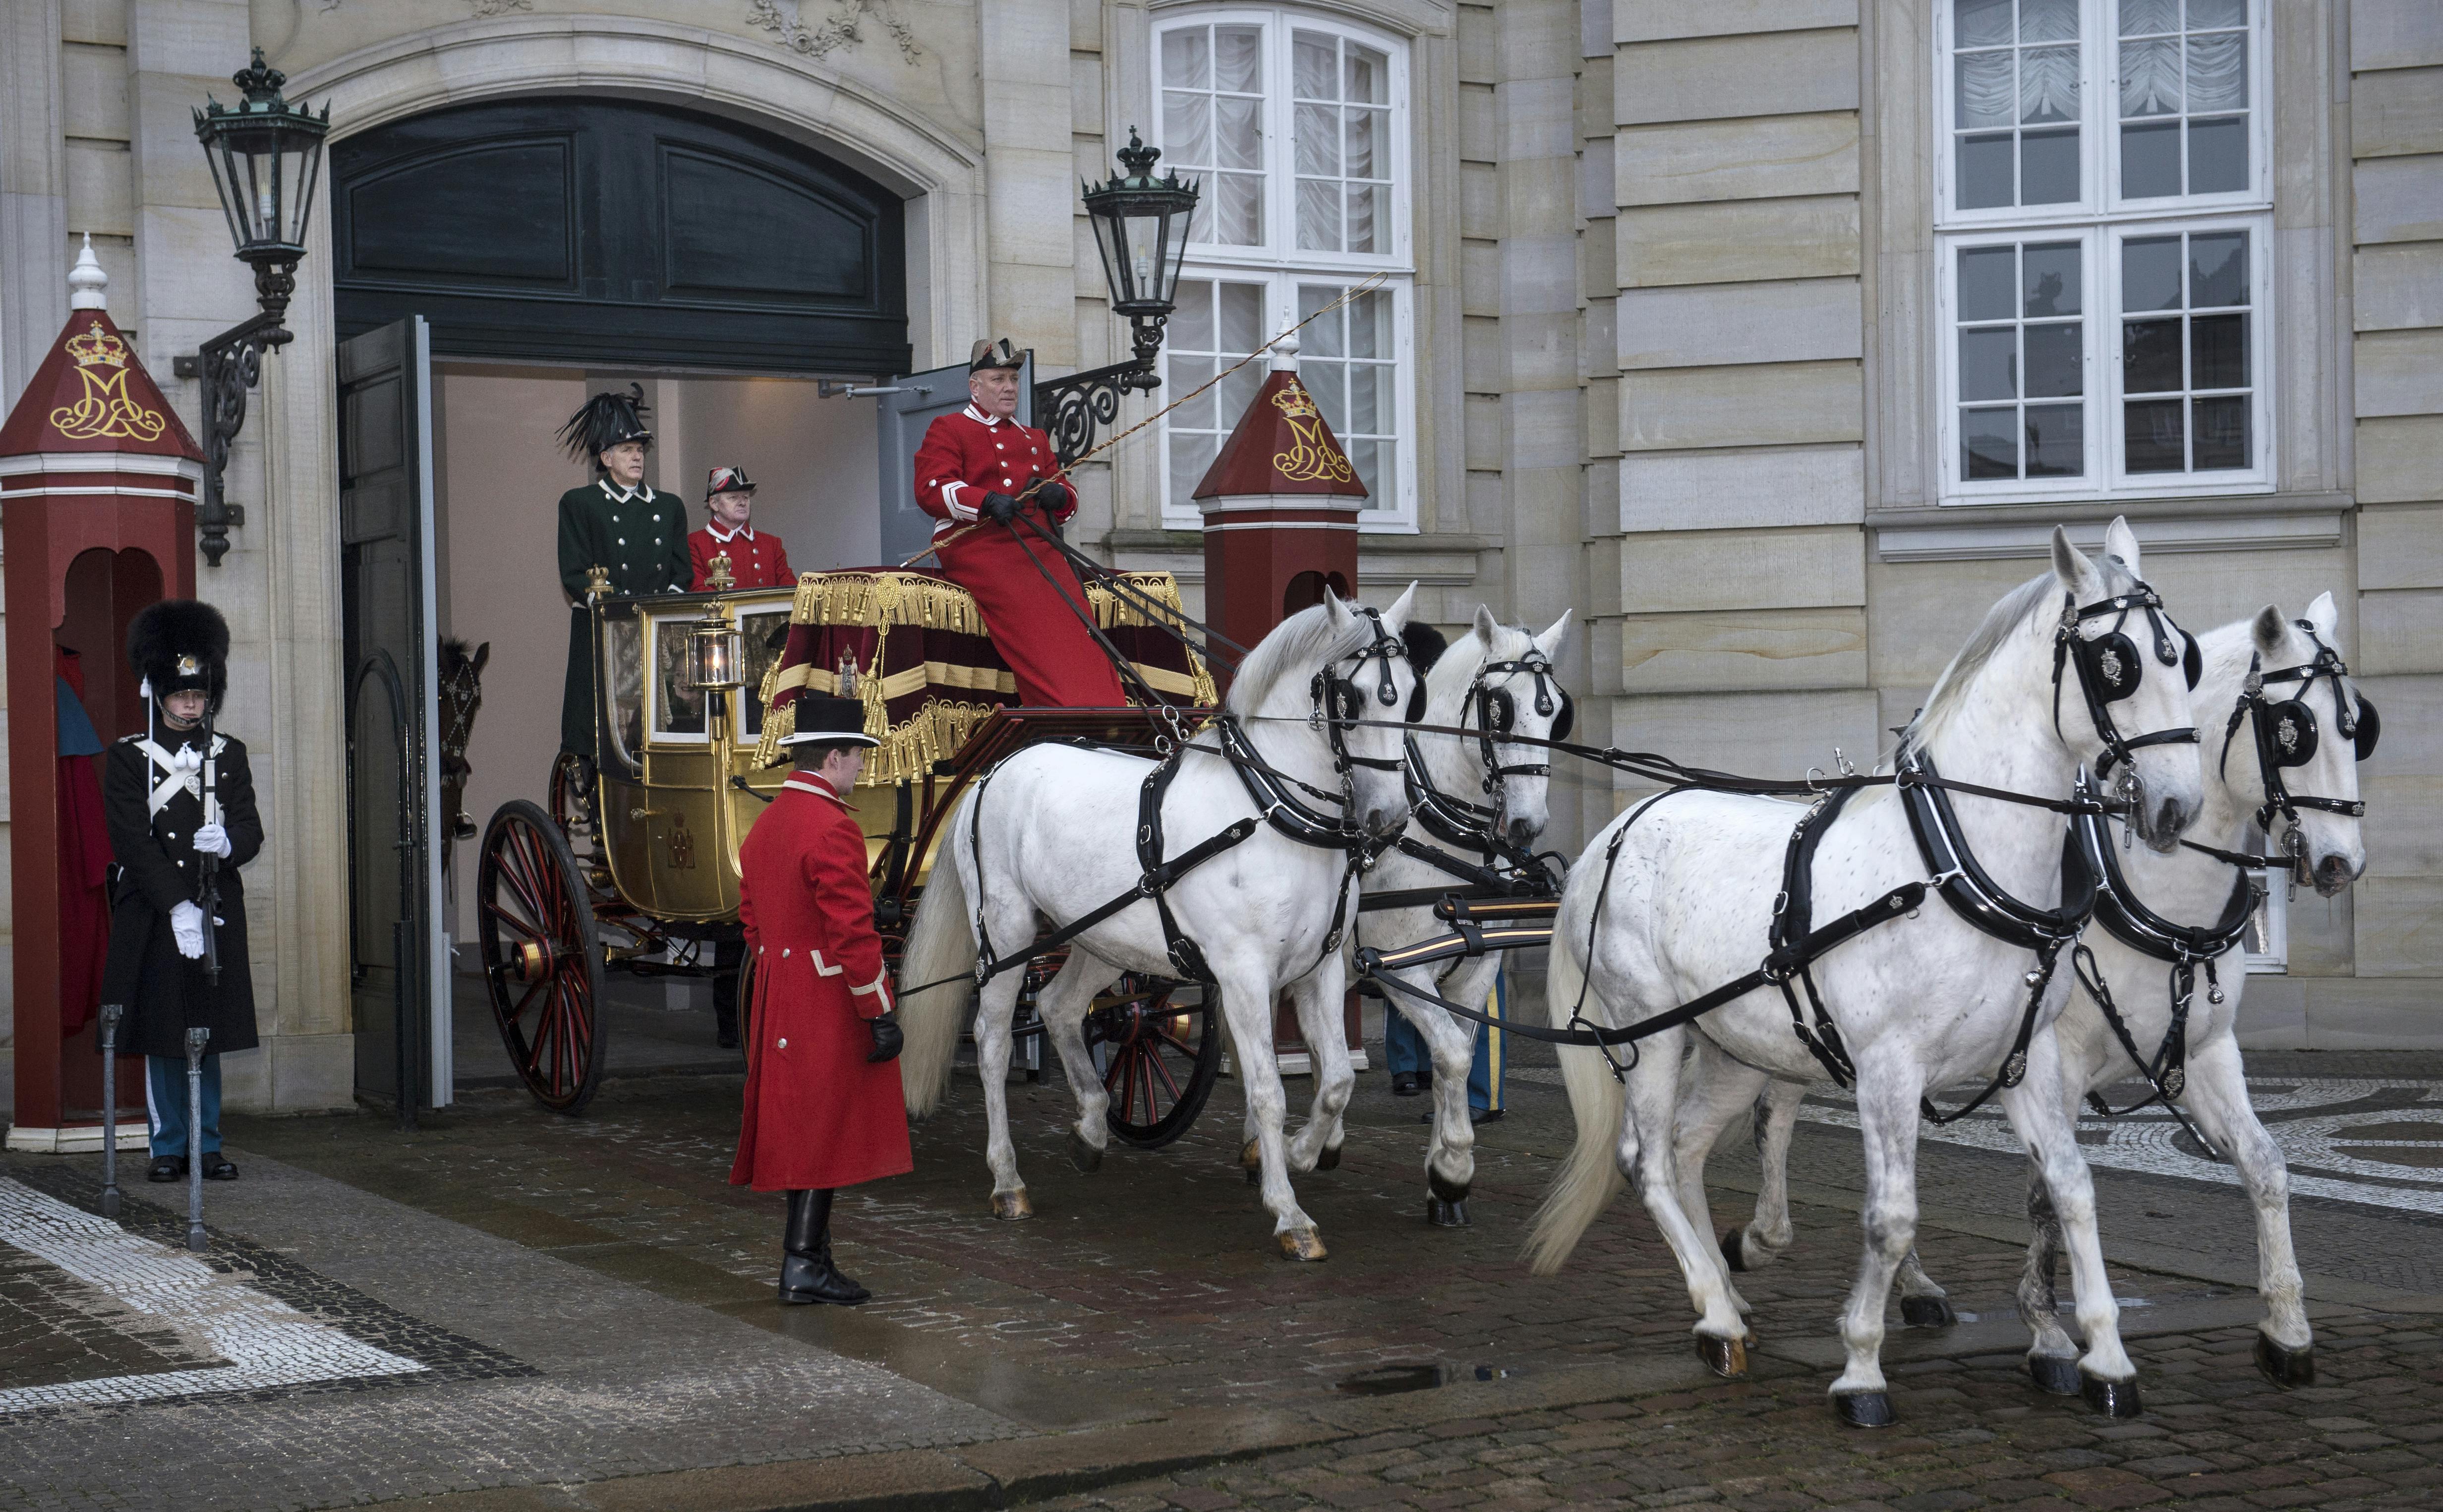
(2030, 600)
(1295, 648)
(455, 652)
(1459, 666)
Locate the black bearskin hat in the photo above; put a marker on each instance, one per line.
(1426, 646)
(180, 643)
(604, 422)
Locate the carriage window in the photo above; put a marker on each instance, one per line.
(678, 709)
(623, 658)
(764, 635)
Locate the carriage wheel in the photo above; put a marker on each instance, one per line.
(542, 956)
(1163, 1058)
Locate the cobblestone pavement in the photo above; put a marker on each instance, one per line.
(1142, 1319)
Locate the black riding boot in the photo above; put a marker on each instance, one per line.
(725, 1011)
(806, 1271)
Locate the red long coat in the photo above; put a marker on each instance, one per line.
(967, 455)
(816, 1114)
(757, 559)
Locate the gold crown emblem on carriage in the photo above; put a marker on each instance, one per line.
(96, 347)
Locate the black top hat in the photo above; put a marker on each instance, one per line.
(829, 720)
(728, 480)
(176, 644)
(604, 422)
(994, 353)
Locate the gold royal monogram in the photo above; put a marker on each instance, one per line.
(105, 412)
(1308, 458)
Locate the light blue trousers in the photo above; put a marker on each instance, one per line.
(165, 1102)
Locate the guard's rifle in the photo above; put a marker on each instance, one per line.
(208, 864)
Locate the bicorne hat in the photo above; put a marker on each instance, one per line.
(994, 353)
(604, 422)
(728, 480)
(176, 644)
(830, 720)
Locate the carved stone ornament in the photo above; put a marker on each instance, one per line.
(839, 28)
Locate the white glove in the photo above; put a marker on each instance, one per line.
(187, 928)
(212, 839)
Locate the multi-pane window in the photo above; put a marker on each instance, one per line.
(2102, 230)
(1295, 125)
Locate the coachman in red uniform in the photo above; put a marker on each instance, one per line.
(757, 558)
(970, 472)
(824, 1108)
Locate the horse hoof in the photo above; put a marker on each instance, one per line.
(2054, 1374)
(1011, 1206)
(1865, 1408)
(1446, 1214)
(1725, 1358)
(1251, 1157)
(1330, 1159)
(1927, 1312)
(1730, 1255)
(1083, 1155)
(1302, 1243)
(2284, 1366)
(2110, 1398)
(1443, 1187)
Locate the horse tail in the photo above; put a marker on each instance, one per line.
(940, 944)
(1589, 1177)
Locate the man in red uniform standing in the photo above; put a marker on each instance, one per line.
(823, 1106)
(971, 473)
(757, 558)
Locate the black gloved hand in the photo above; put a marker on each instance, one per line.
(1054, 497)
(998, 508)
(887, 1037)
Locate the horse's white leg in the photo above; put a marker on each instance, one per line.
(1923, 1302)
(1450, 1151)
(1715, 1090)
(1247, 1003)
(1650, 1109)
(1888, 1088)
(2217, 1098)
(1766, 1235)
(1319, 998)
(996, 1002)
(1062, 1004)
(2107, 1378)
(2052, 1355)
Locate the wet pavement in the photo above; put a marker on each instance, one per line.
(569, 1307)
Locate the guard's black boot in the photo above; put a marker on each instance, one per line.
(725, 1011)
(806, 1271)
(1404, 1084)
(218, 1167)
(166, 1168)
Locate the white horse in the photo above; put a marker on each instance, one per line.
(1504, 671)
(1054, 830)
(1920, 1003)
(2188, 887)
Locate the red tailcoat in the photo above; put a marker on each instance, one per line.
(967, 455)
(816, 1114)
(757, 558)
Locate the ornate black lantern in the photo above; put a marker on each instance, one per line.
(266, 160)
(1141, 227)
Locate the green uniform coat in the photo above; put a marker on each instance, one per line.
(642, 538)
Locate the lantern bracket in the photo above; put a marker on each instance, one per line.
(1069, 409)
(229, 365)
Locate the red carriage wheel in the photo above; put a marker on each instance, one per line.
(542, 958)
(1164, 1056)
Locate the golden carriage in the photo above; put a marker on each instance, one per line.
(632, 866)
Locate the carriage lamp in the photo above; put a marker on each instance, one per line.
(1141, 226)
(716, 649)
(266, 158)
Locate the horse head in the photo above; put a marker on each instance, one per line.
(2122, 671)
(2286, 728)
(1364, 685)
(1503, 682)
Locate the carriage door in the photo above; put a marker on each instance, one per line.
(909, 405)
(398, 958)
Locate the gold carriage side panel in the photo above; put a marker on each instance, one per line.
(927, 673)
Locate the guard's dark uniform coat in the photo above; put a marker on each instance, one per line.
(817, 1114)
(642, 538)
(165, 993)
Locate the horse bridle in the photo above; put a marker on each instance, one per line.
(1496, 711)
(2284, 735)
(1337, 704)
(2109, 670)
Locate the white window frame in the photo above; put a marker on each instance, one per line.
(2100, 220)
(1278, 263)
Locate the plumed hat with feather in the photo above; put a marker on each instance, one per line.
(176, 644)
(604, 422)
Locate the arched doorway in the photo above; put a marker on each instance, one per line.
(492, 262)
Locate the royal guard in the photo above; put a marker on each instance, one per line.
(972, 472)
(618, 523)
(824, 1108)
(179, 799)
(757, 558)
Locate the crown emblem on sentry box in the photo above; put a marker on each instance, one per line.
(96, 347)
(1294, 402)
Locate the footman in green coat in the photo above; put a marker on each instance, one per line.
(617, 523)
